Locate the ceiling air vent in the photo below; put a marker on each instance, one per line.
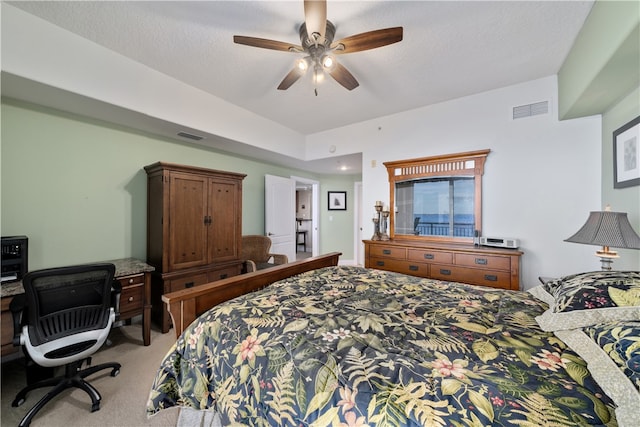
(530, 110)
(190, 136)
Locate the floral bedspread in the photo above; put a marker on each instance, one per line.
(348, 346)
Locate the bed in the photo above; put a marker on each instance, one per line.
(349, 346)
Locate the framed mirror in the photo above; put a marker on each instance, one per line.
(437, 198)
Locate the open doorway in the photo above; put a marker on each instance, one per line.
(307, 211)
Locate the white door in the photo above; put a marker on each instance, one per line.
(358, 226)
(280, 214)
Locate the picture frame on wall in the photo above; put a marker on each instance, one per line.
(337, 200)
(626, 155)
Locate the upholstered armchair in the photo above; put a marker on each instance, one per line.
(255, 252)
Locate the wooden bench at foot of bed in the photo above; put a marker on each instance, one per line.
(187, 304)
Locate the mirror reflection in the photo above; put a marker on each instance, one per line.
(437, 198)
(441, 206)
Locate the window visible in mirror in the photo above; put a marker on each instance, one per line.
(437, 198)
(442, 206)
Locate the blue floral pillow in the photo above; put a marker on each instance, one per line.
(586, 299)
(621, 341)
(612, 353)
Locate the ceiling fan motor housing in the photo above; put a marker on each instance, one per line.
(313, 44)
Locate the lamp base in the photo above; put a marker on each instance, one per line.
(606, 258)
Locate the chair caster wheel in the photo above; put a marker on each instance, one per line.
(95, 407)
(17, 402)
(115, 372)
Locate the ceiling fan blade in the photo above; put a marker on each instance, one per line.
(368, 40)
(315, 17)
(267, 44)
(290, 79)
(343, 76)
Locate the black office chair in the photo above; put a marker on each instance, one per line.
(64, 317)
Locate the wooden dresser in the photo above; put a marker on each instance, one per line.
(466, 263)
(194, 229)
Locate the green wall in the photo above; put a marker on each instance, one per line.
(621, 199)
(77, 188)
(603, 64)
(337, 226)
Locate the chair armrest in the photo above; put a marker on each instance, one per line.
(251, 266)
(279, 259)
(18, 309)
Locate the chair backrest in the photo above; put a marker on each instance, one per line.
(66, 301)
(256, 248)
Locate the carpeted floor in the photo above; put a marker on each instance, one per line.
(124, 397)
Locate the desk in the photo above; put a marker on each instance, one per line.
(134, 277)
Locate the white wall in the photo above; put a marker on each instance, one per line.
(541, 179)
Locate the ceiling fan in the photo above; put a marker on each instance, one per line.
(316, 38)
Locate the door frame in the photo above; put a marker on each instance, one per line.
(315, 212)
(358, 225)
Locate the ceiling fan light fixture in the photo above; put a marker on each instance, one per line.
(328, 62)
(302, 65)
(318, 75)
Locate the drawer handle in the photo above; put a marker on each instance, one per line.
(428, 256)
(189, 285)
(224, 276)
(481, 261)
(445, 272)
(130, 299)
(413, 267)
(380, 263)
(386, 251)
(491, 277)
(130, 281)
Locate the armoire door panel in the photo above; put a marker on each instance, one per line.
(188, 231)
(223, 227)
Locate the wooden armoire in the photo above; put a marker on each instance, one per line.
(194, 229)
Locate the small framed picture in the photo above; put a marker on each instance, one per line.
(337, 200)
(626, 155)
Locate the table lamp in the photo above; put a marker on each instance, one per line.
(607, 229)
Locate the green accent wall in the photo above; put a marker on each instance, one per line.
(603, 65)
(77, 188)
(621, 199)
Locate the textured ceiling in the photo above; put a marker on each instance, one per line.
(450, 49)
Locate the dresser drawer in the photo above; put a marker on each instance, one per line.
(400, 266)
(491, 278)
(187, 282)
(493, 267)
(132, 298)
(426, 255)
(483, 261)
(388, 252)
(131, 280)
(223, 273)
